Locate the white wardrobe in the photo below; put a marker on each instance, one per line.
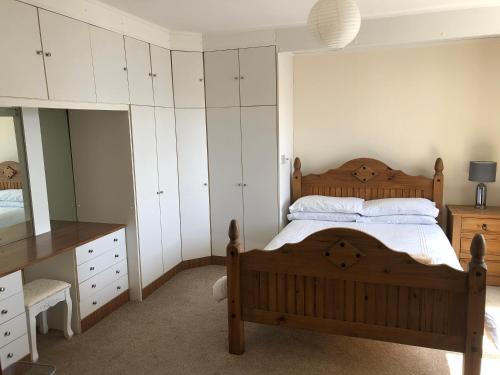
(242, 144)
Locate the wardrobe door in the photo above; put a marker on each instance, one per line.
(189, 88)
(147, 197)
(169, 187)
(21, 66)
(224, 155)
(161, 66)
(110, 67)
(68, 58)
(193, 183)
(258, 76)
(222, 78)
(139, 72)
(260, 175)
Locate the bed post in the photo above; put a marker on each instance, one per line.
(475, 308)
(297, 180)
(236, 333)
(438, 188)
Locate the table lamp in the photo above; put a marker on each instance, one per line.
(482, 171)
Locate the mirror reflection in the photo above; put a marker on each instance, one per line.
(15, 207)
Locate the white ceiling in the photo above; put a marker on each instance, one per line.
(230, 15)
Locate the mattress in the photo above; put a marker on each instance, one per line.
(427, 241)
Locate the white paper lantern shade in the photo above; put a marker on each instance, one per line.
(335, 23)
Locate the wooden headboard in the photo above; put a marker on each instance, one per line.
(369, 179)
(10, 175)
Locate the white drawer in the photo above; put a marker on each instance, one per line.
(99, 264)
(13, 329)
(11, 307)
(93, 249)
(14, 351)
(99, 281)
(98, 300)
(10, 285)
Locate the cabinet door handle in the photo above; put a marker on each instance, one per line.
(241, 77)
(117, 255)
(4, 311)
(240, 184)
(115, 239)
(125, 68)
(117, 272)
(118, 287)
(48, 54)
(205, 184)
(2, 289)
(10, 355)
(244, 185)
(236, 78)
(39, 52)
(94, 303)
(92, 268)
(7, 334)
(484, 226)
(91, 251)
(154, 75)
(93, 286)
(200, 79)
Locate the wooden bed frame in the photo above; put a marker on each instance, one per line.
(10, 175)
(346, 282)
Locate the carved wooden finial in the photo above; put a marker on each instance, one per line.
(478, 249)
(297, 165)
(439, 166)
(234, 231)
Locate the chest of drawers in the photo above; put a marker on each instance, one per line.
(13, 329)
(463, 223)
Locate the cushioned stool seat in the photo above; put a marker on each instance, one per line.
(39, 296)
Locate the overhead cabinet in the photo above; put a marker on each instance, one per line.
(188, 79)
(245, 77)
(22, 71)
(243, 160)
(161, 68)
(110, 66)
(68, 58)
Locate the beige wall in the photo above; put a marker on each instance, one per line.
(8, 145)
(404, 106)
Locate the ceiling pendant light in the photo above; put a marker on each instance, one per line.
(335, 23)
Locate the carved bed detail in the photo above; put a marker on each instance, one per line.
(10, 175)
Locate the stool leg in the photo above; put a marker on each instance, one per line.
(31, 317)
(44, 326)
(68, 332)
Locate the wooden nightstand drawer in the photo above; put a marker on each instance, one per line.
(480, 225)
(492, 246)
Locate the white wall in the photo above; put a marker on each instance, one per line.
(8, 145)
(404, 106)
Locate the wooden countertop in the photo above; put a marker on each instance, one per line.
(65, 236)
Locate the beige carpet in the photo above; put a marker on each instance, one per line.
(181, 330)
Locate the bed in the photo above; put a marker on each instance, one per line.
(343, 280)
(12, 210)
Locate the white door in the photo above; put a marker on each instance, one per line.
(193, 183)
(68, 58)
(187, 71)
(21, 66)
(222, 78)
(258, 76)
(260, 175)
(110, 67)
(146, 189)
(139, 72)
(169, 187)
(161, 67)
(226, 180)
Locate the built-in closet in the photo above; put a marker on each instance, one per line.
(242, 144)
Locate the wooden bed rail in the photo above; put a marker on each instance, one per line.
(346, 282)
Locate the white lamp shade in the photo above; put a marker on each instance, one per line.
(335, 23)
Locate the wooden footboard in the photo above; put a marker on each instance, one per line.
(346, 282)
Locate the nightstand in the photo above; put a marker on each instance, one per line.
(463, 223)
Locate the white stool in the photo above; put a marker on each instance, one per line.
(39, 296)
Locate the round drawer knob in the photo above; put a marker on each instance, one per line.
(117, 255)
(91, 251)
(7, 334)
(117, 271)
(115, 240)
(484, 226)
(10, 355)
(4, 311)
(2, 289)
(118, 287)
(94, 303)
(92, 268)
(93, 285)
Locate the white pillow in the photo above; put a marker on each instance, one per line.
(323, 216)
(320, 203)
(399, 206)
(11, 195)
(397, 219)
(11, 204)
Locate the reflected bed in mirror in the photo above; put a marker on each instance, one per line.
(15, 207)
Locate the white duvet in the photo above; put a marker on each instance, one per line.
(427, 241)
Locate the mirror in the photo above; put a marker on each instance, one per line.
(15, 205)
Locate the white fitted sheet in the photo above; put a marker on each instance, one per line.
(419, 240)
